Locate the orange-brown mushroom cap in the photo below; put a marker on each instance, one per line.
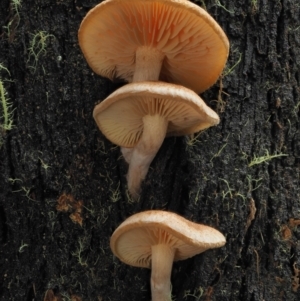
(194, 46)
(120, 115)
(132, 240)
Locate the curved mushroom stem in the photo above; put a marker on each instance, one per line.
(162, 261)
(148, 62)
(154, 132)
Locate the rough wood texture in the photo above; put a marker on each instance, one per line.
(55, 152)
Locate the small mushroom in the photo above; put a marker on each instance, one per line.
(154, 239)
(138, 117)
(172, 40)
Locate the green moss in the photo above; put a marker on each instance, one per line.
(267, 157)
(37, 47)
(6, 115)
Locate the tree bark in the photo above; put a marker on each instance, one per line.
(63, 187)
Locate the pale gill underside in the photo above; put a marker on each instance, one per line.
(134, 247)
(122, 121)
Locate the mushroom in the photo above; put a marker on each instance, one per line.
(172, 40)
(154, 239)
(138, 116)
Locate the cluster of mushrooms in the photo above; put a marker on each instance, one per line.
(168, 51)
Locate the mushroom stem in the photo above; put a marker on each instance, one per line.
(162, 261)
(148, 63)
(154, 132)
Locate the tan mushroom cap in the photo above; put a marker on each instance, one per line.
(195, 47)
(120, 115)
(132, 240)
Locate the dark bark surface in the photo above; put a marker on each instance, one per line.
(55, 152)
